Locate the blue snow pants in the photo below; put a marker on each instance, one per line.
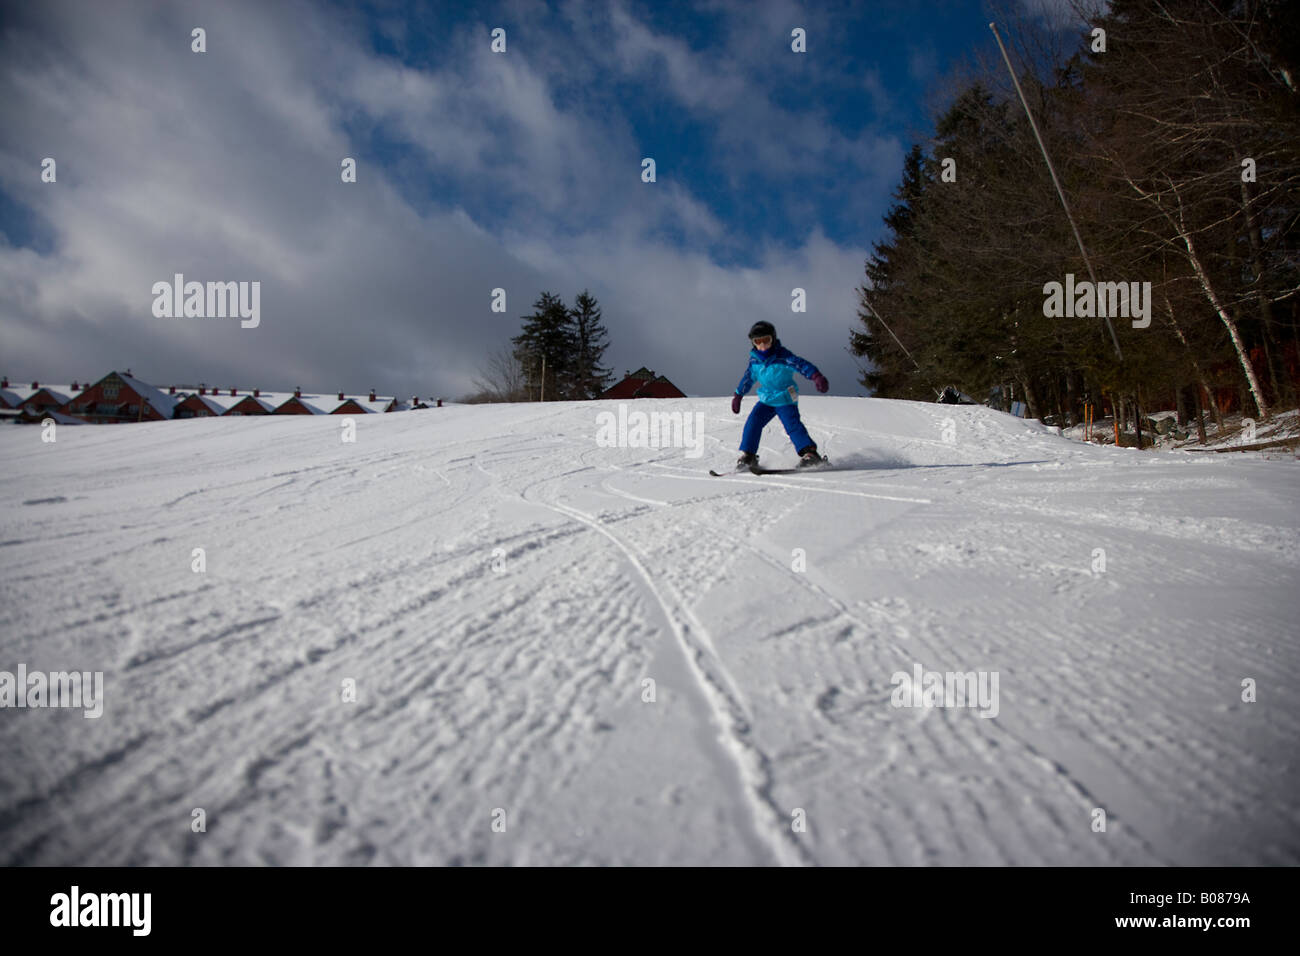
(762, 414)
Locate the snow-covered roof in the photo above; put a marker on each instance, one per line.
(60, 393)
(314, 403)
(43, 414)
(17, 394)
(218, 401)
(376, 407)
(325, 404)
(207, 402)
(161, 403)
(269, 401)
(220, 404)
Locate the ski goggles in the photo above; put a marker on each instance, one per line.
(762, 340)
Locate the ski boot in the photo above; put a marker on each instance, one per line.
(808, 457)
(746, 461)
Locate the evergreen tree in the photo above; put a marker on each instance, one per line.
(590, 342)
(547, 341)
(889, 370)
(1149, 141)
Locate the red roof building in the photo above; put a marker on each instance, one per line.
(38, 397)
(206, 402)
(11, 396)
(49, 397)
(120, 397)
(643, 383)
(300, 404)
(253, 404)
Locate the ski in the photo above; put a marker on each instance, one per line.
(760, 470)
(821, 466)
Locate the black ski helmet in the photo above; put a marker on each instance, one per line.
(760, 328)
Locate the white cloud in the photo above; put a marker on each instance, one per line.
(225, 166)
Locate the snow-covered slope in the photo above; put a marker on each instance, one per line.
(501, 588)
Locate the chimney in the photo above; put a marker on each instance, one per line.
(257, 393)
(172, 390)
(372, 395)
(74, 387)
(340, 396)
(5, 382)
(232, 393)
(440, 403)
(35, 386)
(297, 391)
(202, 389)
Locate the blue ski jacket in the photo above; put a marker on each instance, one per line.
(774, 370)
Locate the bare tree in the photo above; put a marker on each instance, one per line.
(1187, 103)
(503, 378)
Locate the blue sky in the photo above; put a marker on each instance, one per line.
(838, 114)
(476, 170)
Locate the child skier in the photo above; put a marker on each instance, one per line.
(772, 366)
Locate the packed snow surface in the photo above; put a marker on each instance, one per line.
(564, 652)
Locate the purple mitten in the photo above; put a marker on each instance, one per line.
(735, 404)
(820, 381)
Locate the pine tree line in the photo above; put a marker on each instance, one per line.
(1178, 147)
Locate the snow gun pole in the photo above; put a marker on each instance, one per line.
(867, 303)
(1056, 182)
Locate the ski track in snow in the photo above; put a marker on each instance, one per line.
(500, 588)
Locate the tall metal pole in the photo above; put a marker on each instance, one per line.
(881, 320)
(1056, 182)
(867, 303)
